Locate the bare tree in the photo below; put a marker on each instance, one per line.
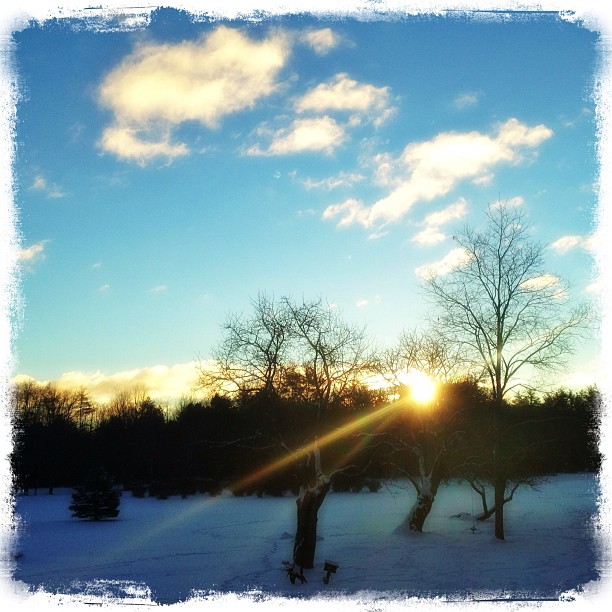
(302, 352)
(331, 354)
(428, 352)
(420, 438)
(333, 357)
(252, 354)
(508, 315)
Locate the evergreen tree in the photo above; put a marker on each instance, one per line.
(95, 499)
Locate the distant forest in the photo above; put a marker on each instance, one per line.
(251, 443)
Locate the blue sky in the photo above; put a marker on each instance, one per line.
(167, 173)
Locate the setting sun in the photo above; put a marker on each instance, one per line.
(422, 387)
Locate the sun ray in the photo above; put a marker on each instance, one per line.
(325, 440)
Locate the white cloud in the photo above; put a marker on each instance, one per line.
(466, 100)
(51, 190)
(350, 211)
(432, 234)
(544, 281)
(322, 41)
(158, 289)
(33, 252)
(431, 169)
(103, 288)
(39, 183)
(136, 145)
(596, 287)
(453, 259)
(161, 382)
(592, 243)
(514, 202)
(381, 233)
(29, 256)
(566, 243)
(321, 134)
(450, 213)
(343, 179)
(160, 85)
(345, 94)
(429, 236)
(362, 303)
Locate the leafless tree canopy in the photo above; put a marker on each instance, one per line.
(430, 352)
(301, 349)
(252, 354)
(501, 306)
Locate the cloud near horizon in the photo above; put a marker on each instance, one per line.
(431, 169)
(159, 86)
(162, 383)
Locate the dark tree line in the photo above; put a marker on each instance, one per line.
(208, 445)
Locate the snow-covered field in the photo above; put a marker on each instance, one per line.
(167, 551)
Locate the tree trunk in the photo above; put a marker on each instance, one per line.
(426, 494)
(308, 503)
(500, 480)
(419, 512)
(500, 490)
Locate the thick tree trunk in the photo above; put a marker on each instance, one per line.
(426, 494)
(419, 512)
(308, 503)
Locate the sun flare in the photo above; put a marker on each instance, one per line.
(422, 387)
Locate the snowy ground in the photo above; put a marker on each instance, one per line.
(167, 551)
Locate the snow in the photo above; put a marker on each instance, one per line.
(230, 550)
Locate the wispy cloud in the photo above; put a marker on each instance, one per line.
(31, 255)
(343, 179)
(432, 234)
(321, 41)
(568, 243)
(453, 259)
(594, 288)
(431, 169)
(159, 86)
(159, 289)
(429, 236)
(50, 190)
(513, 202)
(466, 99)
(546, 282)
